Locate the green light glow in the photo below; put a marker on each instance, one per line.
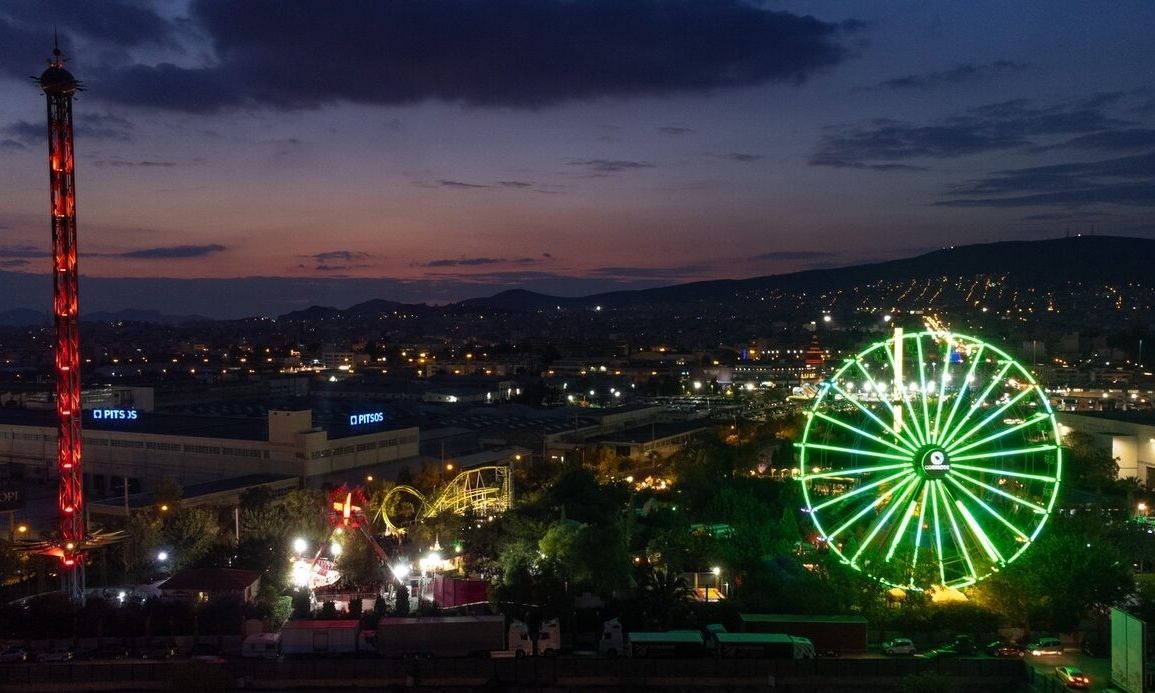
(982, 504)
(957, 439)
(881, 441)
(853, 451)
(842, 498)
(909, 485)
(1036, 419)
(997, 452)
(955, 531)
(984, 540)
(937, 530)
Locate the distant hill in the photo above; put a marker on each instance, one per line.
(23, 317)
(133, 315)
(1022, 263)
(366, 309)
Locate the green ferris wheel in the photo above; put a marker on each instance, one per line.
(930, 459)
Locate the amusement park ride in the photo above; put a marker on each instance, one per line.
(930, 460)
(483, 490)
(73, 538)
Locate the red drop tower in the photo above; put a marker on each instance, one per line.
(59, 85)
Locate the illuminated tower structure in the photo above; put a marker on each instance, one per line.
(58, 86)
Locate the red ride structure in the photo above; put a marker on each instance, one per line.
(59, 85)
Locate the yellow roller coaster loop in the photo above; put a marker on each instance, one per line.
(484, 490)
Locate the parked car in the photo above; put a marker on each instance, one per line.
(105, 651)
(162, 651)
(1002, 648)
(56, 654)
(1073, 677)
(898, 646)
(939, 653)
(204, 652)
(1045, 646)
(962, 644)
(13, 654)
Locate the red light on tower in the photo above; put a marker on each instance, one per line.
(58, 86)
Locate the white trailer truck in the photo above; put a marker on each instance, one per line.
(320, 637)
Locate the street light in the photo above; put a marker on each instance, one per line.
(299, 545)
(717, 571)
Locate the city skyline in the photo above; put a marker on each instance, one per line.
(439, 150)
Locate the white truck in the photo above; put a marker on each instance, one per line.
(452, 636)
(325, 637)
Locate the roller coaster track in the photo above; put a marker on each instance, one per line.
(483, 490)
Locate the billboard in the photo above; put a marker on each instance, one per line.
(1127, 650)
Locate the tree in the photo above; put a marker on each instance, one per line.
(664, 598)
(190, 532)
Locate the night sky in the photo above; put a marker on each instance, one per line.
(434, 150)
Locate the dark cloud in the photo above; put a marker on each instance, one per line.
(24, 251)
(121, 163)
(1114, 140)
(795, 255)
(744, 158)
(168, 87)
(1068, 216)
(172, 252)
(27, 26)
(339, 260)
(12, 144)
(13, 264)
(955, 75)
(514, 184)
(85, 126)
(459, 184)
(340, 255)
(998, 126)
(1126, 181)
(292, 54)
(672, 273)
(672, 130)
(609, 165)
(28, 133)
(479, 261)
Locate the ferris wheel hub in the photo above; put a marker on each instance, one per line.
(932, 462)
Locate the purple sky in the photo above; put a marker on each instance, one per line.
(434, 150)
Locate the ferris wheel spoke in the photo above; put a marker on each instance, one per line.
(922, 392)
(937, 532)
(912, 506)
(998, 491)
(963, 388)
(918, 434)
(956, 533)
(863, 433)
(910, 484)
(918, 529)
(1037, 418)
(843, 497)
(941, 389)
(977, 530)
(856, 471)
(1002, 453)
(978, 403)
(854, 451)
(862, 513)
(999, 411)
(990, 511)
(900, 432)
(1004, 472)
